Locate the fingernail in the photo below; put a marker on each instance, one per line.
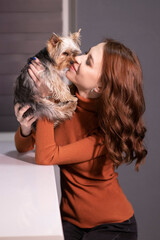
(34, 58)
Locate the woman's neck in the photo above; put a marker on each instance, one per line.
(88, 94)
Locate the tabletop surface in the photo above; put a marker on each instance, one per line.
(29, 207)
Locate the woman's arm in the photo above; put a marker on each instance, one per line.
(24, 137)
(24, 143)
(49, 153)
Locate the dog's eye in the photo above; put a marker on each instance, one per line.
(65, 53)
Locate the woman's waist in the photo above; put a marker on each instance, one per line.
(106, 203)
(75, 187)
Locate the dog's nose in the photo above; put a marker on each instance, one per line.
(71, 62)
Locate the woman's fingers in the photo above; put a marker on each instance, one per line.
(20, 111)
(32, 119)
(33, 75)
(27, 121)
(16, 109)
(35, 69)
(37, 63)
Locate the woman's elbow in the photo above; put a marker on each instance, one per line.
(22, 149)
(41, 159)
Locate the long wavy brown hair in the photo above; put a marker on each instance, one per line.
(122, 105)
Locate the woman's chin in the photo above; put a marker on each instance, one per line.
(70, 76)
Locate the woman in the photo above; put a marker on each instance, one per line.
(105, 131)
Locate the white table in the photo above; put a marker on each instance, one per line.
(29, 207)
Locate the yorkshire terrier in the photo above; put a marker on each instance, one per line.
(56, 57)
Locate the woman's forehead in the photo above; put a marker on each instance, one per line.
(98, 47)
(97, 52)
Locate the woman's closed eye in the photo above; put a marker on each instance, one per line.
(88, 62)
(88, 59)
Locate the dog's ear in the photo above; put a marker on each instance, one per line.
(76, 37)
(55, 39)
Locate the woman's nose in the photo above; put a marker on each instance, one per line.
(78, 59)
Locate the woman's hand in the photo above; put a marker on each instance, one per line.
(35, 71)
(26, 123)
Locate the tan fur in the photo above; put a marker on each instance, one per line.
(63, 51)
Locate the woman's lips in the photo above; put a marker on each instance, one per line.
(72, 67)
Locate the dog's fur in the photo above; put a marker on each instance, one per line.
(56, 57)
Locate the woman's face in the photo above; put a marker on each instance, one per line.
(86, 71)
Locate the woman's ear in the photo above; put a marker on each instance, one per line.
(99, 87)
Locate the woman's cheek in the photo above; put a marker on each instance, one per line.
(69, 75)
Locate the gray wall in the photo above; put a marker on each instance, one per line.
(136, 23)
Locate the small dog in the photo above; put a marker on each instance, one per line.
(58, 55)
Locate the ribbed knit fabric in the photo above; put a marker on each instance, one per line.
(91, 194)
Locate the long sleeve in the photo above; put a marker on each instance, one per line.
(49, 153)
(24, 144)
(91, 194)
